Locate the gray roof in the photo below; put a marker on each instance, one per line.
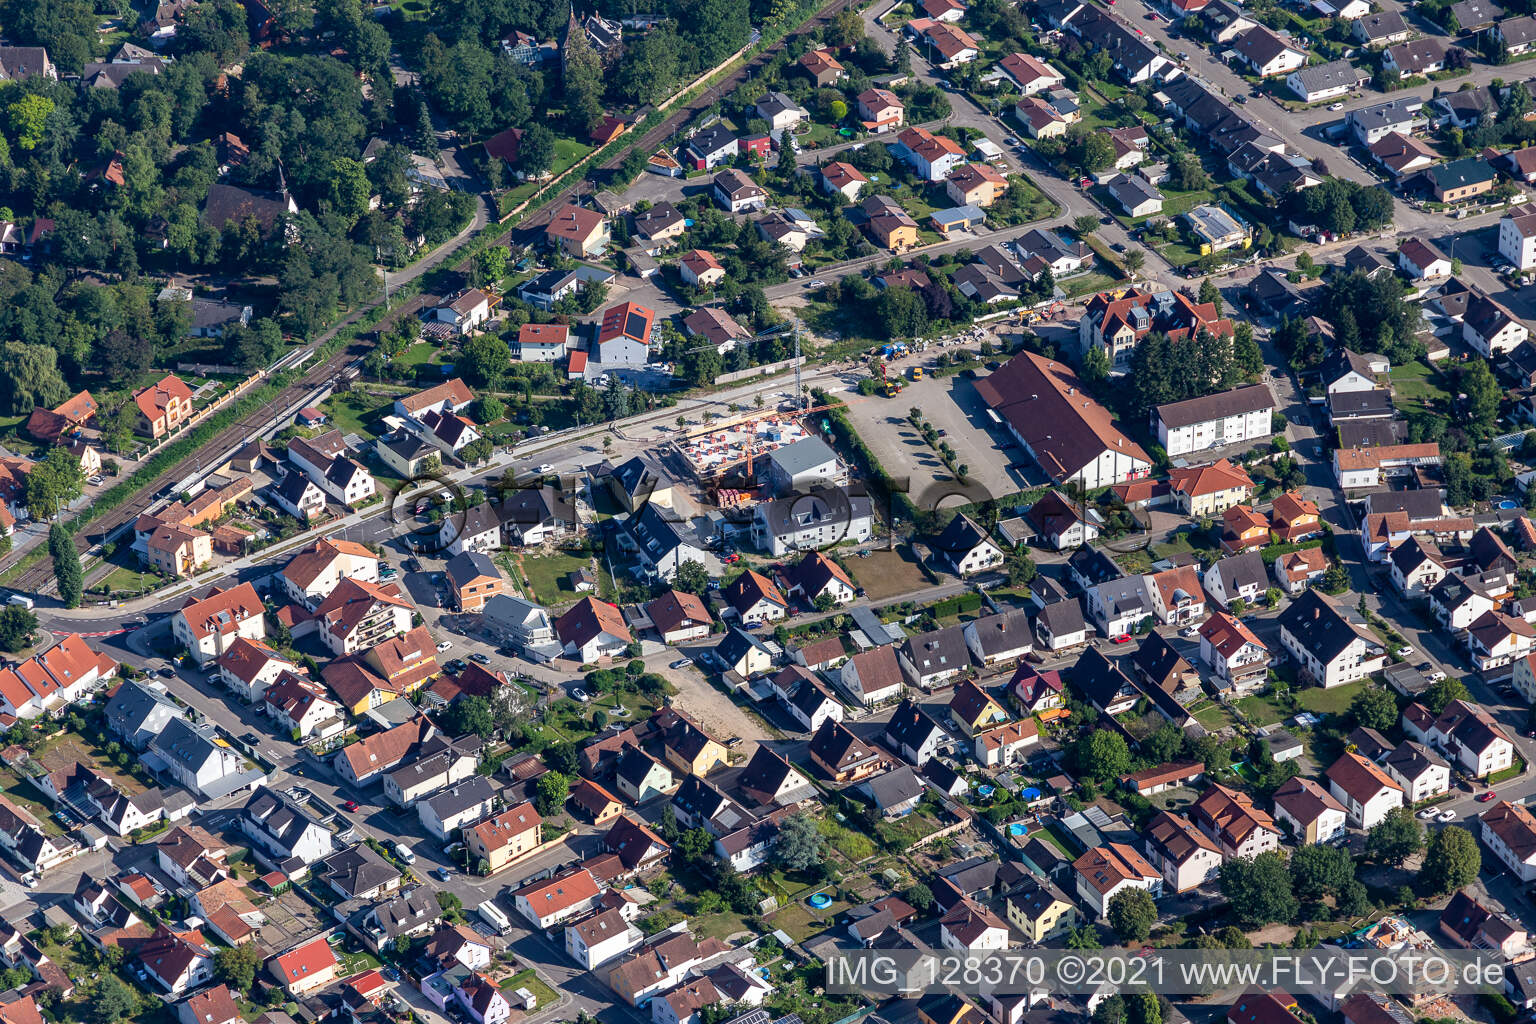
(1336, 74)
(1241, 400)
(408, 913)
(940, 651)
(472, 792)
(463, 568)
(803, 456)
(1382, 25)
(356, 870)
(1132, 190)
(1319, 625)
(137, 705)
(1062, 617)
(277, 816)
(896, 786)
(1402, 110)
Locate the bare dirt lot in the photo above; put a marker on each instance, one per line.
(952, 405)
(887, 573)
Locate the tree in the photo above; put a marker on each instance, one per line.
(1021, 568)
(899, 313)
(469, 714)
(349, 187)
(492, 264)
(477, 451)
(798, 846)
(1085, 937)
(691, 577)
(53, 483)
(1083, 224)
(1440, 695)
(1483, 393)
(1259, 889)
(1111, 1011)
(28, 117)
(1102, 755)
(483, 360)
(1451, 860)
(66, 565)
(536, 151)
(1320, 870)
(1375, 708)
(1395, 838)
(919, 897)
(1095, 366)
(1354, 900)
(1134, 261)
(1210, 293)
(552, 790)
(489, 409)
(1132, 914)
(17, 626)
(112, 1001)
(236, 966)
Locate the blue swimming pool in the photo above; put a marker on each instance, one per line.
(820, 901)
(1018, 828)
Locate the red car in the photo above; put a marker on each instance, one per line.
(1123, 638)
(350, 805)
(1488, 797)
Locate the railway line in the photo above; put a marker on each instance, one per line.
(39, 577)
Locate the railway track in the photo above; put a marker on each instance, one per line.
(39, 576)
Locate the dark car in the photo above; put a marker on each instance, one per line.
(167, 673)
(250, 739)
(456, 666)
(412, 565)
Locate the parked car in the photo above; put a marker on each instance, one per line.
(1446, 816)
(444, 645)
(1336, 106)
(682, 663)
(1488, 797)
(349, 805)
(480, 659)
(546, 468)
(581, 695)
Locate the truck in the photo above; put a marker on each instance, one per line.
(21, 600)
(493, 916)
(917, 373)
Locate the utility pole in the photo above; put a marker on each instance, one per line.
(799, 391)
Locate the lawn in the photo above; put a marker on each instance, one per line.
(1185, 541)
(25, 795)
(567, 152)
(356, 412)
(1333, 701)
(1259, 710)
(356, 963)
(126, 580)
(1417, 381)
(530, 980)
(1214, 717)
(546, 575)
(417, 354)
(901, 833)
(1087, 284)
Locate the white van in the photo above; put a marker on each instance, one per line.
(404, 852)
(494, 917)
(23, 600)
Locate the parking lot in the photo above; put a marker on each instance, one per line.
(954, 408)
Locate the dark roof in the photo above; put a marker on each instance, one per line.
(1319, 625)
(910, 726)
(1098, 678)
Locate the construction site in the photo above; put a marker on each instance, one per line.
(730, 444)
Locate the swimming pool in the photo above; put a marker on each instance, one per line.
(1018, 828)
(820, 900)
(985, 790)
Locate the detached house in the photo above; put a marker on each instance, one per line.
(1509, 830)
(1366, 791)
(1231, 818)
(1309, 811)
(1326, 643)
